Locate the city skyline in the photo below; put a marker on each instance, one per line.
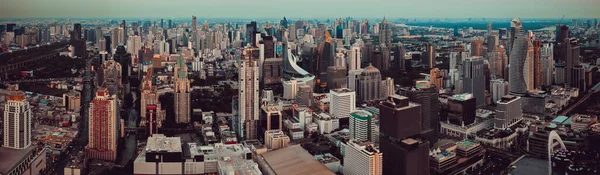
(323, 9)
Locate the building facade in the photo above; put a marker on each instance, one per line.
(103, 127)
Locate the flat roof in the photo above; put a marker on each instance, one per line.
(11, 157)
(159, 142)
(294, 160)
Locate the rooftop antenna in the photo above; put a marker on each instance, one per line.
(563, 17)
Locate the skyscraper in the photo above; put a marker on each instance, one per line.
(399, 52)
(498, 61)
(429, 56)
(362, 158)
(248, 110)
(473, 79)
(529, 68)
(369, 84)
(103, 127)
(477, 47)
(518, 56)
(385, 35)
(537, 63)
(149, 96)
(354, 59)
(17, 121)
(182, 92)
(400, 123)
(427, 97)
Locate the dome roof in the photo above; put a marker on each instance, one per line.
(371, 68)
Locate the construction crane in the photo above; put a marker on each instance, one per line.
(561, 19)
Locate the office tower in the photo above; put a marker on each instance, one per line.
(342, 102)
(170, 24)
(369, 84)
(134, 45)
(125, 30)
(461, 109)
(537, 63)
(400, 123)
(270, 119)
(427, 97)
(381, 58)
(248, 110)
(387, 87)
(399, 52)
(250, 36)
(269, 45)
(354, 59)
(499, 89)
(477, 47)
(508, 112)
(124, 59)
(548, 63)
(502, 33)
(354, 79)
(436, 78)
(493, 42)
(109, 77)
(149, 95)
(385, 35)
(103, 127)
(489, 29)
(326, 56)
(518, 56)
(77, 31)
(182, 92)
(153, 118)
(17, 121)
(362, 158)
(529, 68)
(336, 77)
(456, 31)
(114, 37)
(429, 56)
(498, 61)
(292, 35)
(473, 79)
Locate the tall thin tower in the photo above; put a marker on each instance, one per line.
(182, 92)
(103, 132)
(248, 94)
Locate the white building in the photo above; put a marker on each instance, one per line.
(343, 101)
(326, 123)
(499, 89)
(354, 59)
(248, 97)
(290, 89)
(362, 158)
(17, 122)
(363, 127)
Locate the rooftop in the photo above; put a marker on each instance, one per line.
(326, 158)
(11, 157)
(342, 90)
(294, 160)
(160, 142)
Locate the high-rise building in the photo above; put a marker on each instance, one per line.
(109, 77)
(461, 109)
(493, 42)
(182, 92)
(477, 47)
(134, 45)
(508, 112)
(248, 109)
(537, 63)
(436, 78)
(17, 121)
(363, 127)
(369, 84)
(518, 56)
(387, 87)
(149, 96)
(400, 123)
(385, 35)
(125, 30)
(429, 56)
(153, 118)
(427, 97)
(399, 60)
(336, 77)
(362, 158)
(499, 89)
(103, 127)
(342, 102)
(498, 61)
(354, 59)
(473, 79)
(529, 68)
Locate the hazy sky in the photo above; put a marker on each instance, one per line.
(301, 8)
